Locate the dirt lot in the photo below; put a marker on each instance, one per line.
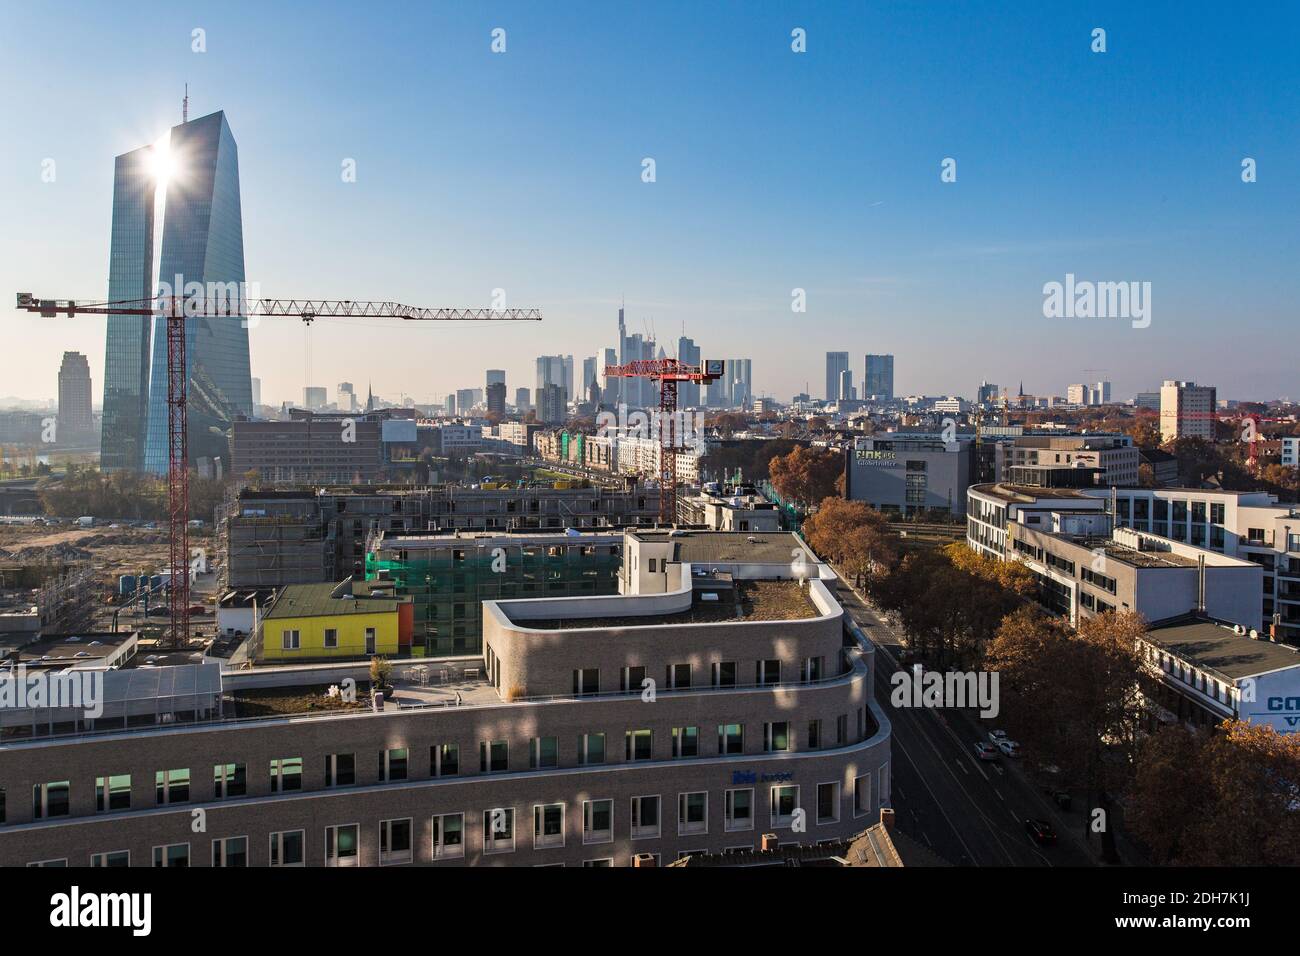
(111, 552)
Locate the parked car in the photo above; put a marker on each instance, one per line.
(997, 736)
(1041, 832)
(985, 751)
(1009, 747)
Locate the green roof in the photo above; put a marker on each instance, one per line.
(317, 600)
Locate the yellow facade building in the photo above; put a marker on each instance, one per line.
(309, 622)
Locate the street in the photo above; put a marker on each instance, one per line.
(970, 812)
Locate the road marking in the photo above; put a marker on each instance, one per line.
(962, 766)
(999, 793)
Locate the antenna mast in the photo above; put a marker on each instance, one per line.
(185, 105)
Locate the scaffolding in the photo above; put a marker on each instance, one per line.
(448, 578)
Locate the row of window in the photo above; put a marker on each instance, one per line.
(586, 680)
(229, 780)
(499, 828)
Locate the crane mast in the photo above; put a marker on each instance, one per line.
(176, 310)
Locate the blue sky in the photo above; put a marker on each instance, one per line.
(775, 170)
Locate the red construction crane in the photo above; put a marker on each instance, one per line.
(177, 309)
(668, 372)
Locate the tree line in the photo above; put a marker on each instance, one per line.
(1080, 699)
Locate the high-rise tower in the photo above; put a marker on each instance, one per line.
(203, 242)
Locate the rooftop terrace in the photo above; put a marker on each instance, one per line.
(745, 601)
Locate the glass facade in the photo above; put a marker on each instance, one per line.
(126, 351)
(202, 242)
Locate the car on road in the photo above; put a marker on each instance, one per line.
(1041, 832)
(985, 751)
(1009, 747)
(997, 736)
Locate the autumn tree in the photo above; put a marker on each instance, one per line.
(853, 535)
(806, 475)
(1225, 797)
(1075, 698)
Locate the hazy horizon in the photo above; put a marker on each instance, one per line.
(775, 170)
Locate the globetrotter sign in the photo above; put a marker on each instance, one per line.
(870, 456)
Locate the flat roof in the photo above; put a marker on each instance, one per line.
(750, 601)
(1214, 646)
(75, 647)
(727, 547)
(1028, 494)
(315, 600)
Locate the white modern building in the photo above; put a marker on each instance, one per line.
(1250, 526)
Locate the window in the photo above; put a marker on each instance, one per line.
(679, 675)
(591, 748)
(813, 668)
(286, 848)
(645, 817)
(814, 734)
(861, 795)
(340, 770)
(605, 861)
(290, 640)
(548, 826)
(113, 793)
(693, 812)
(724, 673)
(842, 730)
(639, 744)
(731, 738)
(331, 638)
(341, 845)
(828, 802)
(586, 681)
(499, 830)
(776, 736)
(767, 672)
(444, 761)
(686, 741)
(597, 821)
(785, 801)
(394, 842)
(631, 679)
(739, 810)
(544, 752)
(493, 756)
(286, 774)
(114, 858)
(50, 799)
(229, 780)
(172, 786)
(392, 764)
(449, 836)
(175, 855)
(230, 851)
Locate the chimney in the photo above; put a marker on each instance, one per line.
(643, 859)
(1200, 584)
(887, 817)
(770, 842)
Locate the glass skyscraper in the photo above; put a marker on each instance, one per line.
(879, 379)
(130, 276)
(202, 241)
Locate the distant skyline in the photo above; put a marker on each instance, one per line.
(774, 171)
